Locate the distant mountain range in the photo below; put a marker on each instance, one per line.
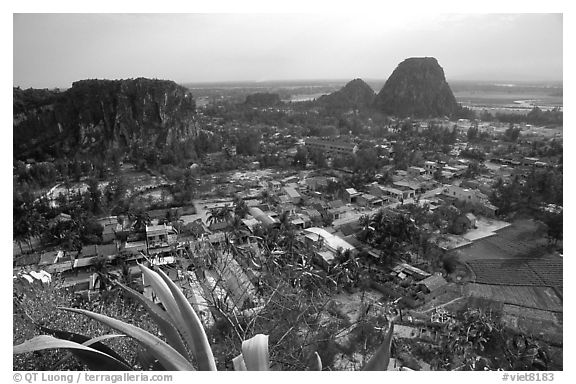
(94, 116)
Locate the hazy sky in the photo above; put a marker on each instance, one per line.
(53, 50)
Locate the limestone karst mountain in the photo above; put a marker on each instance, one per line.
(98, 115)
(417, 88)
(355, 94)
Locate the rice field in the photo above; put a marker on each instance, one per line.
(542, 272)
(542, 298)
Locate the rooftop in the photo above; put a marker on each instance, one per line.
(156, 228)
(331, 241)
(292, 192)
(371, 198)
(434, 282)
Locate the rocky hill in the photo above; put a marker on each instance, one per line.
(99, 115)
(356, 94)
(417, 88)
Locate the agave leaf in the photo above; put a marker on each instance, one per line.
(98, 339)
(148, 361)
(255, 353)
(316, 364)
(380, 360)
(168, 356)
(91, 361)
(239, 364)
(81, 339)
(163, 292)
(162, 319)
(191, 326)
(42, 342)
(93, 358)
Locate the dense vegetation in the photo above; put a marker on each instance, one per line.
(536, 116)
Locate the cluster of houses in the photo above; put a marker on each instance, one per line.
(120, 247)
(328, 223)
(332, 224)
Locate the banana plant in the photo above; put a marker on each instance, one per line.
(186, 346)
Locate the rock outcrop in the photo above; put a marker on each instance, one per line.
(354, 95)
(417, 88)
(98, 115)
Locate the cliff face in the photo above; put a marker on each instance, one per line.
(356, 94)
(97, 115)
(418, 88)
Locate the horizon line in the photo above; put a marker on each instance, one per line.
(296, 80)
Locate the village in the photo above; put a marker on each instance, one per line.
(215, 248)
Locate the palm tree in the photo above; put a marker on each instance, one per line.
(219, 215)
(141, 219)
(237, 228)
(212, 216)
(288, 241)
(240, 207)
(367, 230)
(224, 214)
(22, 229)
(284, 220)
(267, 198)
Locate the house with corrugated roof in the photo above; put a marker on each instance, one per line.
(404, 270)
(340, 212)
(160, 235)
(368, 200)
(350, 195)
(432, 283)
(274, 185)
(327, 243)
(293, 194)
(386, 193)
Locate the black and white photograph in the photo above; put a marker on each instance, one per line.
(319, 189)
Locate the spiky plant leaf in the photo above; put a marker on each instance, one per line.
(82, 339)
(255, 353)
(380, 360)
(238, 363)
(191, 327)
(163, 292)
(94, 359)
(90, 361)
(148, 362)
(316, 364)
(161, 318)
(98, 339)
(168, 356)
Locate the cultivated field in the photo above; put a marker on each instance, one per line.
(541, 272)
(546, 324)
(524, 238)
(542, 298)
(514, 275)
